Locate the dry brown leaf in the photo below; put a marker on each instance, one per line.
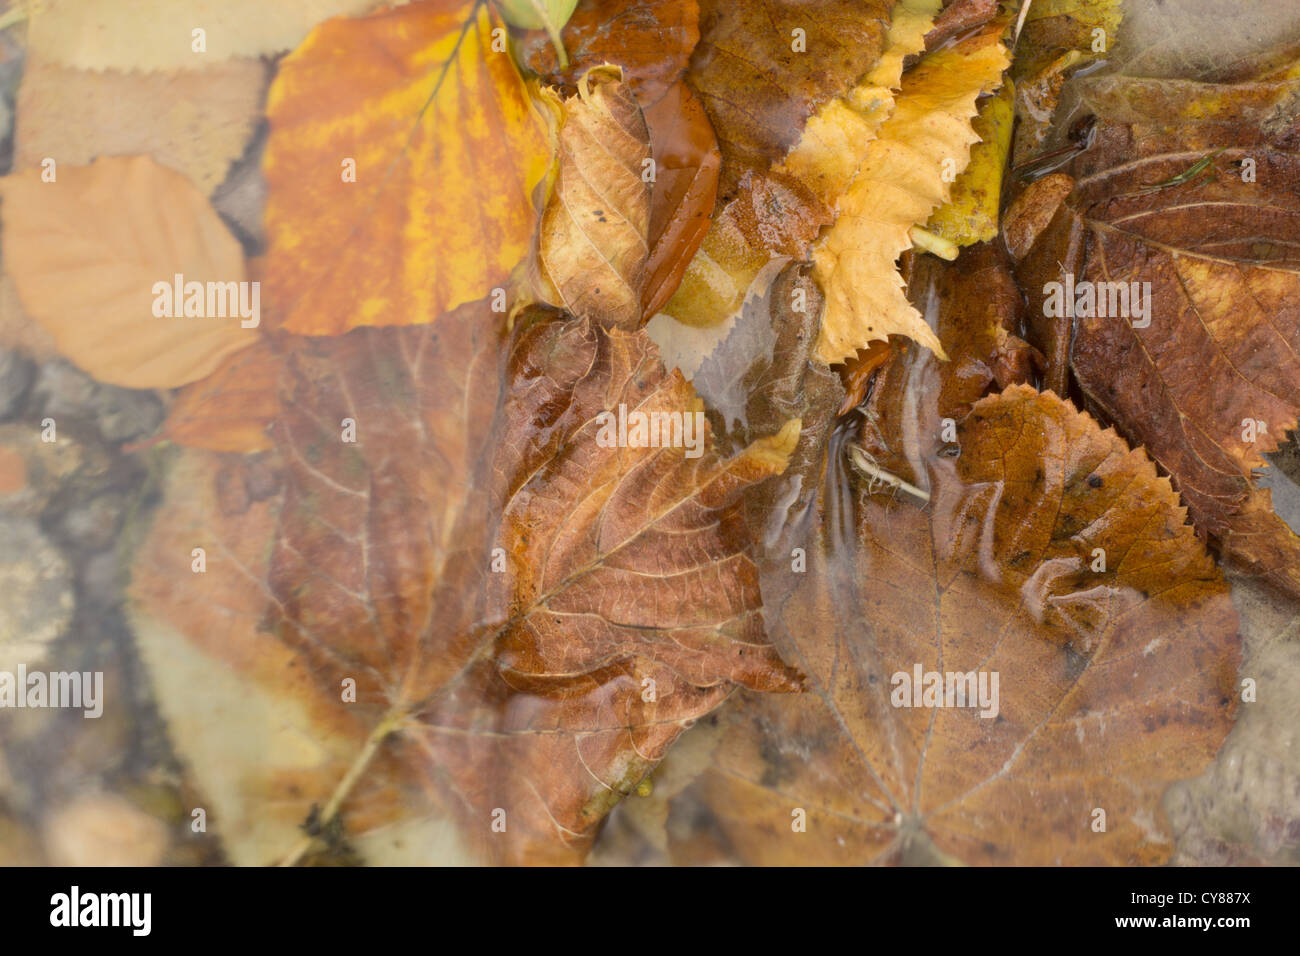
(86, 251)
(196, 121)
(594, 234)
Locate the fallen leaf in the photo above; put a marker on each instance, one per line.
(594, 235)
(1111, 684)
(763, 69)
(159, 34)
(231, 409)
(85, 253)
(439, 130)
(195, 121)
(971, 213)
(1207, 378)
(498, 584)
(651, 40)
(899, 185)
(686, 162)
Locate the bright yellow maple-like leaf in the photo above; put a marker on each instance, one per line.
(825, 160)
(898, 186)
(403, 163)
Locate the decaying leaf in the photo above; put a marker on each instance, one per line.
(106, 258)
(388, 133)
(1185, 292)
(1110, 684)
(651, 40)
(594, 233)
(529, 614)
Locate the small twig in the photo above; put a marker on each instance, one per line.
(863, 462)
(1020, 21)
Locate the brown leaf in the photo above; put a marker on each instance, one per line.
(512, 679)
(1112, 682)
(594, 234)
(231, 409)
(995, 576)
(86, 251)
(651, 40)
(759, 90)
(1212, 383)
(687, 162)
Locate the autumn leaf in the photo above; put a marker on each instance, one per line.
(86, 251)
(651, 40)
(1003, 557)
(1201, 367)
(898, 186)
(594, 234)
(388, 133)
(231, 409)
(972, 211)
(502, 588)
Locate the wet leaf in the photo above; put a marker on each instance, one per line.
(434, 128)
(86, 251)
(971, 213)
(651, 40)
(994, 576)
(594, 234)
(899, 185)
(502, 588)
(231, 409)
(1207, 377)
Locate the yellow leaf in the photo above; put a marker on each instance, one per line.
(594, 230)
(899, 185)
(401, 167)
(971, 214)
(816, 171)
(86, 251)
(160, 34)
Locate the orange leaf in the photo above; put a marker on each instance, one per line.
(447, 150)
(231, 408)
(687, 162)
(86, 251)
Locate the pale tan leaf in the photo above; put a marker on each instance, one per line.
(86, 251)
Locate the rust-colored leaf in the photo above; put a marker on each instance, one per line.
(231, 409)
(530, 617)
(1201, 366)
(651, 40)
(387, 133)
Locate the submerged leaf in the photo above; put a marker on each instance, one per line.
(529, 614)
(387, 134)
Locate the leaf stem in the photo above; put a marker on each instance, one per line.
(371, 747)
